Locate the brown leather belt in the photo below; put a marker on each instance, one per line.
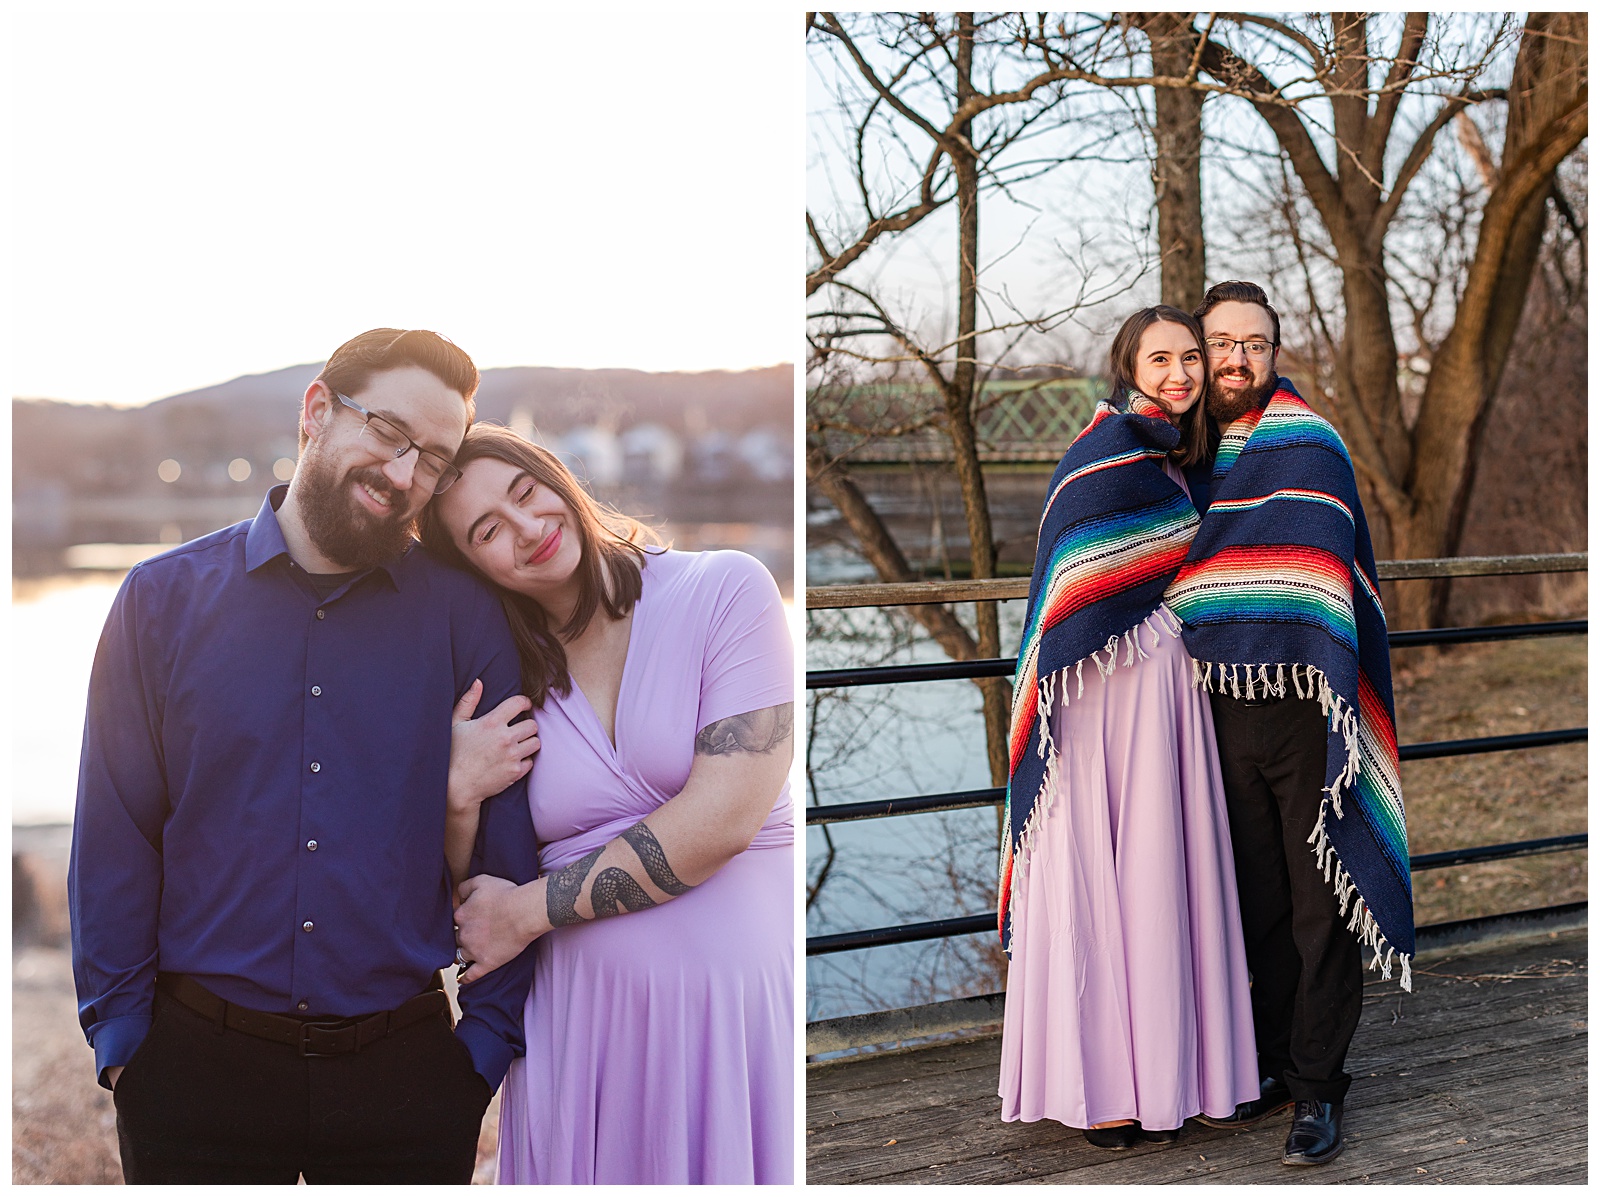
(309, 1036)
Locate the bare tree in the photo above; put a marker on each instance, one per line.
(1356, 170)
(952, 100)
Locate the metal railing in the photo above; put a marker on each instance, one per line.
(980, 590)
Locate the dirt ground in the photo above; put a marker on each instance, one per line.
(1498, 797)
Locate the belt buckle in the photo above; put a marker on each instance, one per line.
(309, 1029)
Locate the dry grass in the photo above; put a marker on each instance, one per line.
(1459, 802)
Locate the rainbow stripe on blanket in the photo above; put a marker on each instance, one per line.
(1279, 589)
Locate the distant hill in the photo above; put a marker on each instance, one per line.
(102, 450)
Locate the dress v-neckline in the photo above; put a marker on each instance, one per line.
(611, 741)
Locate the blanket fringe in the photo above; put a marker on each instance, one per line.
(1361, 920)
(1339, 713)
(1311, 683)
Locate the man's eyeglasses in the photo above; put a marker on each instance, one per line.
(385, 438)
(1222, 346)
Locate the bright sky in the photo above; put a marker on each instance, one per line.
(201, 193)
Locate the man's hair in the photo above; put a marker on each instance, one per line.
(1235, 291)
(1194, 445)
(352, 364)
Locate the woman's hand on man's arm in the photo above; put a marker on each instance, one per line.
(740, 764)
(487, 754)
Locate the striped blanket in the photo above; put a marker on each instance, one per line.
(1114, 532)
(1280, 591)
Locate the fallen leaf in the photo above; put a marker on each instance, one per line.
(1422, 1170)
(891, 1142)
(1460, 1140)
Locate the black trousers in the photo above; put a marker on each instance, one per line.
(1305, 966)
(201, 1104)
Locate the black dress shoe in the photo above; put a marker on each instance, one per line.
(1317, 1134)
(1274, 1097)
(1113, 1138)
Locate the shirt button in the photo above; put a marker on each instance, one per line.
(316, 766)
(303, 1006)
(321, 614)
(311, 845)
(307, 925)
(316, 691)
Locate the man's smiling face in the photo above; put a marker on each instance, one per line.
(1239, 379)
(358, 500)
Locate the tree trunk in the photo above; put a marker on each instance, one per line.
(1176, 170)
(959, 396)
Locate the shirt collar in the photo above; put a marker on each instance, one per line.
(264, 542)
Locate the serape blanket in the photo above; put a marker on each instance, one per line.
(1114, 531)
(1279, 590)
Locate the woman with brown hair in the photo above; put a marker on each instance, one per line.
(660, 1022)
(1127, 1000)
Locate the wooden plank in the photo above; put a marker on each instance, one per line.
(1499, 1064)
(967, 590)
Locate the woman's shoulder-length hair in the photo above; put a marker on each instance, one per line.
(611, 547)
(1194, 442)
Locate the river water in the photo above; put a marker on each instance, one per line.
(876, 742)
(55, 625)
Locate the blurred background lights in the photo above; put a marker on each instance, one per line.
(169, 470)
(283, 469)
(239, 469)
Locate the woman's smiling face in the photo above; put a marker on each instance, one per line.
(1169, 367)
(518, 532)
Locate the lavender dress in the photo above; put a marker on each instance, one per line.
(661, 1043)
(1128, 995)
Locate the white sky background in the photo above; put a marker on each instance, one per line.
(202, 194)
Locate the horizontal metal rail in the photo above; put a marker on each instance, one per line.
(970, 590)
(944, 671)
(844, 941)
(1432, 749)
(852, 812)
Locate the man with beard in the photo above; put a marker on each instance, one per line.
(259, 896)
(1279, 595)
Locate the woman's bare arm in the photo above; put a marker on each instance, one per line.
(739, 768)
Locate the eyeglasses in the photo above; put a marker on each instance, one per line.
(387, 439)
(1222, 346)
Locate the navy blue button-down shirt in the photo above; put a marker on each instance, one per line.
(261, 797)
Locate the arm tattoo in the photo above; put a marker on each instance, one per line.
(614, 889)
(754, 731)
(614, 886)
(562, 890)
(650, 853)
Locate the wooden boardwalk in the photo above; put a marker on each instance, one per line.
(1479, 1077)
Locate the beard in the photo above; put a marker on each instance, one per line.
(341, 530)
(1225, 405)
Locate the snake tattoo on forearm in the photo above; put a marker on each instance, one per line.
(615, 889)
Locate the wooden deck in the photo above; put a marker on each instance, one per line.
(1480, 1076)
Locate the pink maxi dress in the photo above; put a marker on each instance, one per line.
(660, 1044)
(1128, 995)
